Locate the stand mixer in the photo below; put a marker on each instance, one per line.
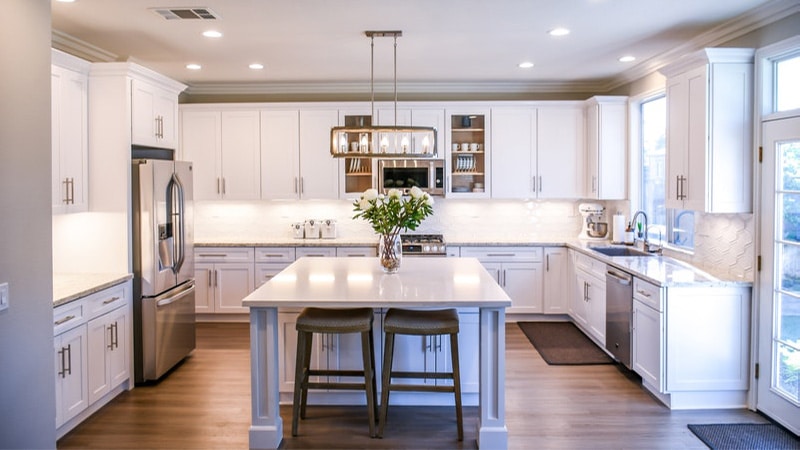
(591, 229)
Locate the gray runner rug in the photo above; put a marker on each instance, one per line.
(562, 343)
(750, 436)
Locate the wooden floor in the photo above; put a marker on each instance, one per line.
(205, 404)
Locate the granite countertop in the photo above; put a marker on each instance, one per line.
(71, 286)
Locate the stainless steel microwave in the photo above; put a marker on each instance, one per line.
(426, 174)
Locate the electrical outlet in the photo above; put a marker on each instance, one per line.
(3, 296)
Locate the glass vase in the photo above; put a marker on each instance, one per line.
(390, 252)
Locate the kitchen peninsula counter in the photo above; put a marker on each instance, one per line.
(359, 282)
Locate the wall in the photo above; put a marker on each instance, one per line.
(27, 389)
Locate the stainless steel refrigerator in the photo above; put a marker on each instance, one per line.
(163, 261)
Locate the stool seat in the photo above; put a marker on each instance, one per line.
(421, 322)
(322, 320)
(334, 321)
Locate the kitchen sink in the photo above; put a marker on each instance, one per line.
(620, 251)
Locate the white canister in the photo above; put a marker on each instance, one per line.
(327, 229)
(312, 229)
(298, 230)
(618, 229)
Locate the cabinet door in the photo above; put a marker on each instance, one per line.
(319, 172)
(697, 134)
(71, 382)
(605, 148)
(555, 292)
(646, 338)
(596, 311)
(513, 153)
(143, 120)
(523, 283)
(204, 288)
(677, 102)
(559, 152)
(119, 350)
(69, 140)
(233, 281)
(201, 143)
(469, 359)
(280, 154)
(580, 299)
(165, 107)
(241, 155)
(99, 337)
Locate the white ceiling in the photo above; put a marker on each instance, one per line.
(321, 43)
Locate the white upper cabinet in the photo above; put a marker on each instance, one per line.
(155, 110)
(537, 152)
(280, 154)
(709, 131)
(606, 155)
(70, 149)
(225, 149)
(319, 172)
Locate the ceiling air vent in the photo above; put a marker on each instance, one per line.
(186, 13)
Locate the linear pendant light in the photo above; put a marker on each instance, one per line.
(375, 141)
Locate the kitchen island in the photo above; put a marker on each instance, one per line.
(359, 282)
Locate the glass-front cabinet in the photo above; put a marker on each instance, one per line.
(467, 162)
(358, 173)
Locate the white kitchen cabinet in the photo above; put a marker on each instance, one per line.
(555, 280)
(316, 252)
(691, 344)
(531, 149)
(709, 131)
(280, 153)
(319, 172)
(518, 270)
(225, 149)
(72, 392)
(606, 144)
(270, 261)
(431, 117)
(223, 277)
(588, 308)
(69, 123)
(468, 172)
(369, 251)
(109, 361)
(154, 115)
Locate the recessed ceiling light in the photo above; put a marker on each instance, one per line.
(256, 66)
(525, 65)
(66, 1)
(559, 31)
(194, 66)
(212, 34)
(627, 58)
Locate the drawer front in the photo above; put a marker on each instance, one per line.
(357, 251)
(327, 252)
(590, 265)
(224, 254)
(265, 272)
(106, 300)
(535, 254)
(649, 294)
(275, 254)
(69, 316)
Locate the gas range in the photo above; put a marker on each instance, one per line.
(423, 245)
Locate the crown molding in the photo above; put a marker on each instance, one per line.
(82, 49)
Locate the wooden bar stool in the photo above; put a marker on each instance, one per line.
(420, 323)
(334, 321)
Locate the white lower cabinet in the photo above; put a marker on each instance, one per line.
(92, 350)
(556, 300)
(588, 306)
(518, 270)
(270, 261)
(223, 277)
(691, 344)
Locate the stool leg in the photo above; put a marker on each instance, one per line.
(386, 381)
(299, 374)
(457, 384)
(307, 344)
(369, 377)
(373, 381)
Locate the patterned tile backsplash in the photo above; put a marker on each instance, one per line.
(723, 242)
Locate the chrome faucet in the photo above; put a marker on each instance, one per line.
(646, 243)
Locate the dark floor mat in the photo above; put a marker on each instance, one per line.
(562, 343)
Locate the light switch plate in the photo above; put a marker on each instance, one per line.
(3, 296)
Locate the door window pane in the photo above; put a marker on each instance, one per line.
(787, 89)
(788, 347)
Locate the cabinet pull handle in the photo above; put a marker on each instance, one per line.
(71, 191)
(212, 255)
(68, 366)
(547, 263)
(64, 320)
(504, 277)
(501, 254)
(65, 200)
(594, 183)
(540, 183)
(219, 186)
(533, 184)
(208, 273)
(111, 300)
(62, 371)
(301, 185)
(223, 186)
(216, 277)
(644, 294)
(110, 345)
(272, 255)
(296, 186)
(317, 255)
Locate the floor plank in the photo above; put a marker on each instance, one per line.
(205, 404)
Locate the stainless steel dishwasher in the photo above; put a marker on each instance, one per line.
(619, 306)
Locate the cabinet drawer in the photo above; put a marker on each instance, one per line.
(503, 253)
(68, 316)
(328, 252)
(648, 293)
(275, 254)
(224, 254)
(104, 301)
(590, 265)
(357, 251)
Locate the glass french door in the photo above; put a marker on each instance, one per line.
(778, 384)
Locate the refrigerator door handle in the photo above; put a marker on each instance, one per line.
(164, 301)
(175, 212)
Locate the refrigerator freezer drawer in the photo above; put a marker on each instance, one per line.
(168, 324)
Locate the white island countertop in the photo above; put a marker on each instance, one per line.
(350, 282)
